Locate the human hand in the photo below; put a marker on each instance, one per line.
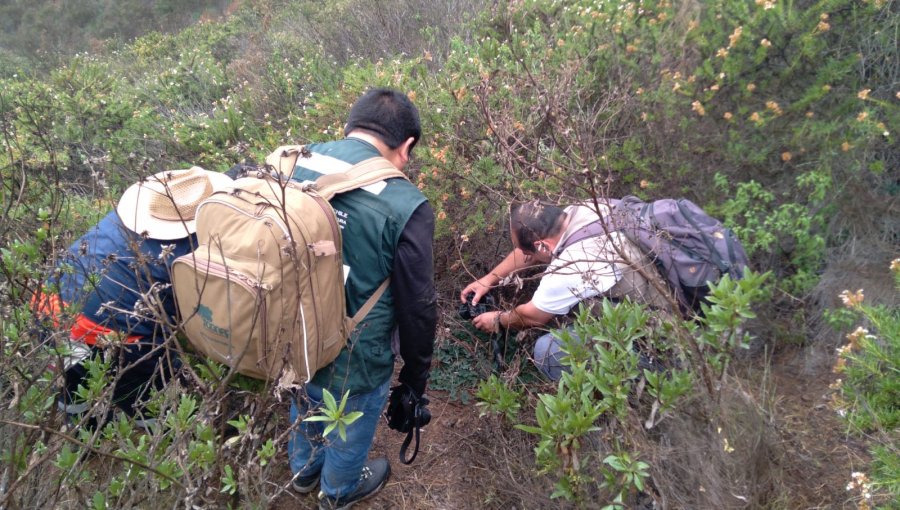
(488, 322)
(477, 289)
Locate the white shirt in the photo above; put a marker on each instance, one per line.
(584, 269)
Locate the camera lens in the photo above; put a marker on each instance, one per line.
(423, 416)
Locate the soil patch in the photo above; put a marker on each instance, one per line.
(815, 461)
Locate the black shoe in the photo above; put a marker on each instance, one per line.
(373, 477)
(305, 484)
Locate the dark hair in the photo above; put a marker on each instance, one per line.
(534, 220)
(388, 114)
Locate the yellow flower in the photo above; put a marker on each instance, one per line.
(823, 16)
(727, 115)
(560, 42)
(785, 156)
(442, 216)
(751, 87)
(630, 48)
(852, 299)
(772, 105)
(722, 53)
(863, 94)
(735, 36)
(839, 366)
(846, 146)
(644, 184)
(714, 87)
(823, 27)
(697, 107)
(810, 115)
(862, 116)
(826, 87)
(756, 118)
(765, 43)
(895, 265)
(639, 91)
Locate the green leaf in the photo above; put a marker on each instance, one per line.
(328, 398)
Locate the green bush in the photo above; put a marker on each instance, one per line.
(868, 390)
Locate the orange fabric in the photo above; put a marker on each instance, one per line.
(83, 329)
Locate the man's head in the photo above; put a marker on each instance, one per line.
(533, 223)
(388, 115)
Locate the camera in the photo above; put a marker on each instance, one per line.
(468, 311)
(405, 411)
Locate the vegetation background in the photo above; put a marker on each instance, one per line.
(780, 117)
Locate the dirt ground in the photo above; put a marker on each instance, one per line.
(817, 455)
(441, 476)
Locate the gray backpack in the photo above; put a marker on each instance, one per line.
(689, 247)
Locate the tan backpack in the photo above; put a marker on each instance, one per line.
(264, 290)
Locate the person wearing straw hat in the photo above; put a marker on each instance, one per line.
(114, 288)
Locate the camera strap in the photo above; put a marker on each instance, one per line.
(416, 405)
(405, 445)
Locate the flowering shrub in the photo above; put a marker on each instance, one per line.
(867, 391)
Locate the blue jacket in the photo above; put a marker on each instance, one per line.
(106, 272)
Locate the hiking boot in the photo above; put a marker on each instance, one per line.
(373, 477)
(305, 484)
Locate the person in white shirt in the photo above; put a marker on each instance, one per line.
(585, 258)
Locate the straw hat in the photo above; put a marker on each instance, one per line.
(163, 205)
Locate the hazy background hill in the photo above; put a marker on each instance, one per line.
(40, 34)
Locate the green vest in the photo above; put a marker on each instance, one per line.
(371, 220)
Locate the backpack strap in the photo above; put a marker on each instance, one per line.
(361, 174)
(368, 305)
(284, 160)
(593, 229)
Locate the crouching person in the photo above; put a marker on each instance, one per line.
(114, 287)
(585, 258)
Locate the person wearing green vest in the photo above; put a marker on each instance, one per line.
(387, 230)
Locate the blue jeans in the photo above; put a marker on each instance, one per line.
(548, 355)
(340, 462)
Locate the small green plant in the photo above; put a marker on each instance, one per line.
(229, 482)
(597, 391)
(626, 474)
(495, 397)
(333, 414)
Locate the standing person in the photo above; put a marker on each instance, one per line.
(114, 287)
(387, 231)
(579, 269)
